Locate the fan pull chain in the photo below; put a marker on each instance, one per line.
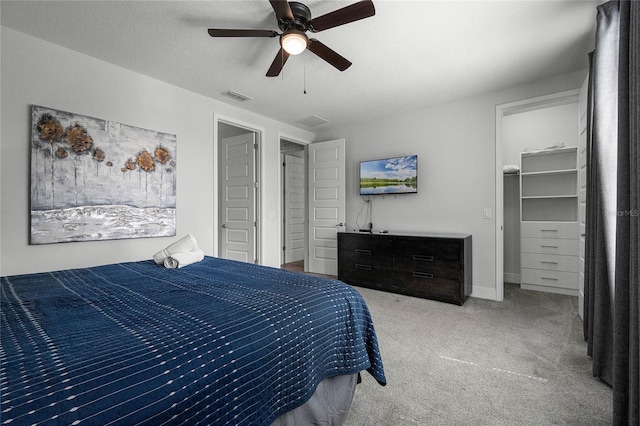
(304, 79)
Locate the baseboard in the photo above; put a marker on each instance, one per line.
(511, 278)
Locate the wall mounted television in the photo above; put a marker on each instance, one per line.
(396, 175)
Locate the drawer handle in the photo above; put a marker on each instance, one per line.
(549, 279)
(549, 230)
(360, 251)
(424, 258)
(364, 267)
(551, 263)
(422, 275)
(549, 246)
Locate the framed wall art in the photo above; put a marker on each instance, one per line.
(94, 179)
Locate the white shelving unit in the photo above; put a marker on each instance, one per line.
(549, 220)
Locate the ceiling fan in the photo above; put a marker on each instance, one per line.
(294, 19)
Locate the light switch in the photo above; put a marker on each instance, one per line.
(487, 214)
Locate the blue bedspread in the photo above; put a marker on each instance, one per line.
(216, 342)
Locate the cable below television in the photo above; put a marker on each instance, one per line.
(368, 220)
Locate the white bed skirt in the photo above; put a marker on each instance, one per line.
(328, 406)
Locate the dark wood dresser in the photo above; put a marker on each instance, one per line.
(431, 266)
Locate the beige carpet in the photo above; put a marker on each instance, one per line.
(518, 362)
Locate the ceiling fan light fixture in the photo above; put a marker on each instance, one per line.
(294, 42)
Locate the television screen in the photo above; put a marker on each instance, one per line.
(398, 175)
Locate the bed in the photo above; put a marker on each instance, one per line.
(218, 342)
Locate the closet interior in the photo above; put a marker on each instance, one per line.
(541, 239)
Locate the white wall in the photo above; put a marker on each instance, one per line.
(539, 129)
(37, 72)
(455, 144)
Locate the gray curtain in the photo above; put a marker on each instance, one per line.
(601, 192)
(626, 373)
(613, 207)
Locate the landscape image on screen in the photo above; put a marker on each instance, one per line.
(397, 175)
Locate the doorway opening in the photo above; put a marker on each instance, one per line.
(294, 205)
(324, 203)
(508, 190)
(238, 192)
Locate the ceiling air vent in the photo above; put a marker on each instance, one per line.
(235, 95)
(312, 121)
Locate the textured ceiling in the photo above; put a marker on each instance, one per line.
(411, 54)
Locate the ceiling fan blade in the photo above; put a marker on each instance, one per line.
(328, 55)
(360, 10)
(221, 32)
(282, 9)
(278, 63)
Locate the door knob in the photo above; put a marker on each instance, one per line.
(340, 224)
(224, 225)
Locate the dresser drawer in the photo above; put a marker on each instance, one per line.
(568, 280)
(428, 286)
(364, 277)
(416, 251)
(550, 262)
(371, 245)
(549, 230)
(438, 268)
(550, 246)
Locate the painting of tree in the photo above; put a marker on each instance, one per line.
(76, 195)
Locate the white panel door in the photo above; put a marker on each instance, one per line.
(237, 198)
(582, 188)
(295, 214)
(326, 204)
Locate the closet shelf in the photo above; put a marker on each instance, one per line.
(549, 221)
(534, 197)
(550, 172)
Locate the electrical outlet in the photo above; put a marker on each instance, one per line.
(487, 214)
